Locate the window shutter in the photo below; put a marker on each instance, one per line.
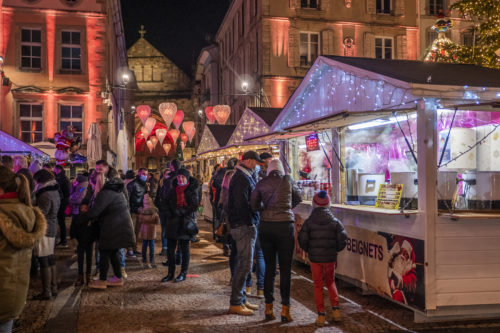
(293, 45)
(369, 45)
(327, 42)
(401, 49)
(371, 6)
(399, 7)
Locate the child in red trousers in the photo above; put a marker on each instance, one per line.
(322, 235)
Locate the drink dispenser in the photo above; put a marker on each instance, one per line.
(409, 197)
(368, 186)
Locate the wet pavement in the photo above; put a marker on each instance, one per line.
(200, 303)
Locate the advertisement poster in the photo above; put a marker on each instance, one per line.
(389, 196)
(389, 264)
(312, 142)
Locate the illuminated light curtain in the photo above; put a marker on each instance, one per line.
(279, 37)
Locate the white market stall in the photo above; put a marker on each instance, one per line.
(381, 135)
(12, 146)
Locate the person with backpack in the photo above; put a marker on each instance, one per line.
(322, 236)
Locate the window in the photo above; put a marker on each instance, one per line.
(309, 3)
(435, 7)
(383, 6)
(152, 163)
(309, 47)
(31, 119)
(31, 48)
(383, 48)
(242, 21)
(468, 38)
(71, 51)
(71, 115)
(430, 36)
(138, 73)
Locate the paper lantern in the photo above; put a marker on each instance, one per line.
(178, 118)
(145, 132)
(209, 112)
(143, 112)
(221, 113)
(150, 145)
(174, 133)
(184, 137)
(166, 147)
(161, 133)
(150, 124)
(188, 127)
(167, 112)
(183, 145)
(154, 140)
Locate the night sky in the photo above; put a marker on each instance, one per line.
(177, 28)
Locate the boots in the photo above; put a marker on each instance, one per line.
(336, 314)
(79, 281)
(285, 314)
(320, 321)
(181, 277)
(251, 306)
(167, 278)
(46, 294)
(240, 310)
(248, 290)
(88, 279)
(270, 312)
(260, 293)
(53, 281)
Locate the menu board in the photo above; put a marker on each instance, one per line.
(312, 142)
(389, 196)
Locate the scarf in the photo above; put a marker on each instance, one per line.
(249, 173)
(181, 199)
(9, 195)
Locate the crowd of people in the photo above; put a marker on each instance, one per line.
(252, 202)
(110, 211)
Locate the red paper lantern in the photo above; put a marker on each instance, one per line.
(184, 137)
(143, 111)
(209, 112)
(178, 118)
(221, 113)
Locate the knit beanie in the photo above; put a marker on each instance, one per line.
(176, 164)
(321, 199)
(184, 172)
(275, 165)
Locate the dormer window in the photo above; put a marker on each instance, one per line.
(309, 3)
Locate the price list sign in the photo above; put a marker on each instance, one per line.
(389, 196)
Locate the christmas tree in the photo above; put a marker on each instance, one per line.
(486, 17)
(442, 48)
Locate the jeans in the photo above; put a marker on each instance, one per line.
(163, 224)
(151, 244)
(184, 249)
(97, 255)
(244, 238)
(122, 257)
(61, 220)
(277, 238)
(324, 273)
(84, 253)
(260, 265)
(137, 228)
(6, 327)
(233, 261)
(106, 257)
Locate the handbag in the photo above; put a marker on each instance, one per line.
(223, 229)
(190, 226)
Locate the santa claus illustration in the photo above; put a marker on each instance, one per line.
(402, 272)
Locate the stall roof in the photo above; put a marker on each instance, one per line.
(254, 122)
(12, 146)
(337, 85)
(412, 71)
(222, 133)
(269, 115)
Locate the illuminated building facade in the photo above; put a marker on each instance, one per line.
(64, 60)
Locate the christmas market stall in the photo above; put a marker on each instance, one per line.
(410, 153)
(12, 146)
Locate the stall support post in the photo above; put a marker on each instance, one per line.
(427, 190)
(336, 173)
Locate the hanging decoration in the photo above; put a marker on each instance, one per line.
(209, 112)
(174, 133)
(67, 144)
(189, 129)
(161, 133)
(184, 137)
(166, 147)
(183, 145)
(150, 145)
(143, 111)
(178, 118)
(442, 48)
(145, 132)
(154, 140)
(167, 112)
(150, 124)
(221, 113)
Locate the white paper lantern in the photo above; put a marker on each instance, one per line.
(166, 147)
(150, 145)
(150, 124)
(167, 112)
(221, 113)
(161, 133)
(154, 140)
(145, 132)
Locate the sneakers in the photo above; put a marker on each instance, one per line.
(336, 316)
(240, 310)
(130, 254)
(115, 282)
(251, 306)
(98, 284)
(124, 274)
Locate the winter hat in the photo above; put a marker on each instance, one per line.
(321, 199)
(184, 172)
(176, 164)
(275, 165)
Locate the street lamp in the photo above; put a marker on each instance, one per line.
(1, 61)
(244, 86)
(200, 112)
(125, 79)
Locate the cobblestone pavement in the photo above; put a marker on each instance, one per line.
(200, 303)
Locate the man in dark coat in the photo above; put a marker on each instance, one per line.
(243, 223)
(136, 191)
(64, 187)
(183, 205)
(161, 201)
(110, 209)
(217, 187)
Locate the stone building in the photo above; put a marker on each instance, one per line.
(159, 80)
(266, 46)
(63, 60)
